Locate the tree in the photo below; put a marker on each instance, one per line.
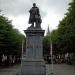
(10, 38)
(55, 39)
(46, 46)
(66, 30)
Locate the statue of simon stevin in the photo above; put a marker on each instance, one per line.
(35, 17)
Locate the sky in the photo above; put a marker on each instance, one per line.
(51, 11)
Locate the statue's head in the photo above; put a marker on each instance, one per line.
(34, 4)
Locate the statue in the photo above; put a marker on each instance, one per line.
(35, 17)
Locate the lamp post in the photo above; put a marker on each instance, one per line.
(51, 53)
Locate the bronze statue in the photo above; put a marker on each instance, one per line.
(35, 16)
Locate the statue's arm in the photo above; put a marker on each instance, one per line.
(29, 11)
(38, 11)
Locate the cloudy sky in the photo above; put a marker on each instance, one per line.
(52, 11)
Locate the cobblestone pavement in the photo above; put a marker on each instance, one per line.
(61, 69)
(58, 69)
(13, 70)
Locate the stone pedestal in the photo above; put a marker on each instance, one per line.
(32, 61)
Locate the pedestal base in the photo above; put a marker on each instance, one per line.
(33, 67)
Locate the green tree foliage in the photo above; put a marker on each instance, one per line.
(55, 39)
(66, 30)
(10, 38)
(51, 37)
(46, 45)
(63, 38)
(5, 28)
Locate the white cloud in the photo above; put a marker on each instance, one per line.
(51, 12)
